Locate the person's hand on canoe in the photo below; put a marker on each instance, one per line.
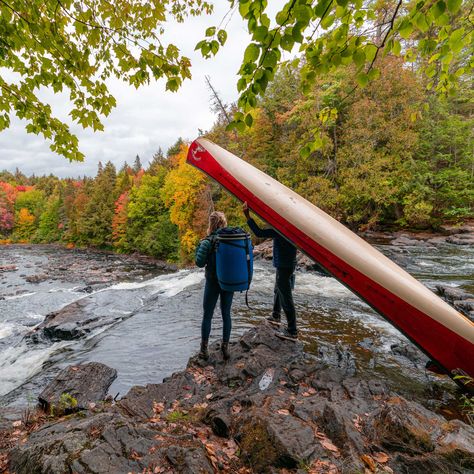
(246, 210)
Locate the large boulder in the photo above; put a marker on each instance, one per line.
(77, 387)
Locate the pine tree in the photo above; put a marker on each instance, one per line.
(137, 165)
(96, 225)
(158, 161)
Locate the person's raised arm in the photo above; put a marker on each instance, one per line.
(262, 233)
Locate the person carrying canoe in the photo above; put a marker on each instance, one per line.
(284, 260)
(206, 256)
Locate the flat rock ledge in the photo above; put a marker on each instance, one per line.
(271, 409)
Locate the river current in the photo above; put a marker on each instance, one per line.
(157, 320)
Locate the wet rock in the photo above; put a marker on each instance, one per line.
(407, 241)
(461, 239)
(409, 351)
(37, 278)
(76, 387)
(83, 316)
(458, 298)
(8, 268)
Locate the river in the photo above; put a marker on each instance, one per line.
(156, 318)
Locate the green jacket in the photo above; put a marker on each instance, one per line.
(206, 256)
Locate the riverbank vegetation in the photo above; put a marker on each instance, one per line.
(395, 155)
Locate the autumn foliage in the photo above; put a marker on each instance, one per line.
(392, 156)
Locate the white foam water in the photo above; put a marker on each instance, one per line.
(6, 330)
(23, 295)
(19, 363)
(167, 285)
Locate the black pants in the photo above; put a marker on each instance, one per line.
(212, 291)
(283, 297)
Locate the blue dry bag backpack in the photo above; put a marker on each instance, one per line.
(234, 259)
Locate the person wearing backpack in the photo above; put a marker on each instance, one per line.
(284, 260)
(206, 256)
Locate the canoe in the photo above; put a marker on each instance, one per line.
(441, 332)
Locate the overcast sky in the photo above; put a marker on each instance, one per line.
(144, 119)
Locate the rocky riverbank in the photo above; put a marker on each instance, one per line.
(271, 409)
(91, 268)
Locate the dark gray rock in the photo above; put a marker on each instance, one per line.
(189, 461)
(81, 317)
(458, 298)
(284, 408)
(76, 387)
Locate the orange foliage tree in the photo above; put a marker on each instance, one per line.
(119, 221)
(24, 224)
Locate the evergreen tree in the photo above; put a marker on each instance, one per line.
(175, 148)
(96, 223)
(157, 162)
(137, 165)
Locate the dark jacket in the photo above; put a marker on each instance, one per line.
(284, 252)
(206, 256)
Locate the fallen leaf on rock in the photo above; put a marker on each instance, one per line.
(283, 411)
(175, 404)
(322, 467)
(209, 395)
(329, 445)
(306, 394)
(369, 462)
(357, 422)
(236, 408)
(312, 390)
(16, 424)
(380, 457)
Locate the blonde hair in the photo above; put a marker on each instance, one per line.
(217, 220)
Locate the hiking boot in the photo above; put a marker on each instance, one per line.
(203, 353)
(285, 334)
(272, 320)
(225, 350)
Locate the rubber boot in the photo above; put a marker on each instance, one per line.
(225, 350)
(204, 353)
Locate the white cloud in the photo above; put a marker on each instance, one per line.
(144, 119)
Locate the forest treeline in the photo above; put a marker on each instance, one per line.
(389, 155)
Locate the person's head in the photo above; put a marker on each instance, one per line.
(217, 220)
